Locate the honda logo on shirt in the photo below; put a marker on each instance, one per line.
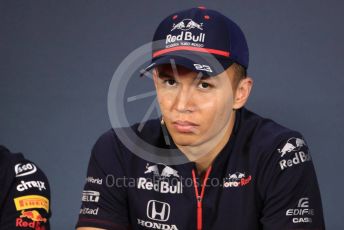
(157, 210)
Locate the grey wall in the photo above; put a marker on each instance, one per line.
(57, 59)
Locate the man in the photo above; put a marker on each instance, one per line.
(24, 193)
(246, 172)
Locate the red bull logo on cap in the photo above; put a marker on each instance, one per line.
(187, 24)
(186, 37)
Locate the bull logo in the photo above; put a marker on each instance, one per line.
(187, 24)
(152, 169)
(33, 215)
(293, 144)
(236, 179)
(165, 172)
(236, 176)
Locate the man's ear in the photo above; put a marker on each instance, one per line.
(242, 92)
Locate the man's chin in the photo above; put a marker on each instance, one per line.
(186, 140)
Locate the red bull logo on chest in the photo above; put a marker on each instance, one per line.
(164, 179)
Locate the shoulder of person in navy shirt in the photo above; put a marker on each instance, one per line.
(242, 171)
(24, 193)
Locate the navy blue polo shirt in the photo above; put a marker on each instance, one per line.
(263, 178)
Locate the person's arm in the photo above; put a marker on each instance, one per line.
(28, 202)
(289, 187)
(104, 205)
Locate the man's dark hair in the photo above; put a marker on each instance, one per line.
(239, 74)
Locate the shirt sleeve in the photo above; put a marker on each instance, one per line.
(27, 204)
(104, 202)
(290, 189)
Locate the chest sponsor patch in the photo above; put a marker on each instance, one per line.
(158, 213)
(90, 196)
(163, 179)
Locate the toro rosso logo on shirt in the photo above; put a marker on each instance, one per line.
(165, 179)
(236, 180)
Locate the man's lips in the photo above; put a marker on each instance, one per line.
(184, 126)
(179, 122)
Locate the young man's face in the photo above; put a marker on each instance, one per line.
(195, 109)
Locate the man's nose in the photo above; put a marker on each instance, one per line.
(184, 99)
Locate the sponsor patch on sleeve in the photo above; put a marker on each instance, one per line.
(31, 202)
(31, 219)
(302, 213)
(24, 169)
(293, 152)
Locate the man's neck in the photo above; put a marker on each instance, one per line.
(207, 150)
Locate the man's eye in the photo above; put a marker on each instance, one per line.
(170, 82)
(204, 85)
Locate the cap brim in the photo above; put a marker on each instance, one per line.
(208, 64)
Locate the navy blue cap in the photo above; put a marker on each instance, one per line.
(200, 39)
